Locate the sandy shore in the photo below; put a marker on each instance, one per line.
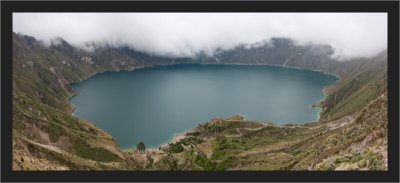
(177, 137)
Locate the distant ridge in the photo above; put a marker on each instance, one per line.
(352, 132)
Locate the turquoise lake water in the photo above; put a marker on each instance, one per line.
(153, 104)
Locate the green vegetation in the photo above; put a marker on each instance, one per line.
(355, 91)
(351, 134)
(202, 161)
(178, 147)
(84, 150)
(141, 147)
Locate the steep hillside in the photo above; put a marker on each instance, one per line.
(350, 135)
(285, 52)
(354, 142)
(358, 89)
(45, 73)
(45, 138)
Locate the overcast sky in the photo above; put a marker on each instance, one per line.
(185, 34)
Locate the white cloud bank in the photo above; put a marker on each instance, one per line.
(185, 34)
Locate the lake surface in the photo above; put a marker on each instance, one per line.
(153, 104)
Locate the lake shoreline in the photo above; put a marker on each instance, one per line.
(178, 136)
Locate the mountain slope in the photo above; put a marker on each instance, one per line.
(358, 89)
(285, 52)
(46, 135)
(358, 141)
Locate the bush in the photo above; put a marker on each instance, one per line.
(226, 163)
(327, 166)
(204, 162)
(362, 163)
(177, 147)
(84, 150)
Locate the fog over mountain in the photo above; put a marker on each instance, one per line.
(187, 34)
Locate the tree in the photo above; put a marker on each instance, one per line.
(141, 147)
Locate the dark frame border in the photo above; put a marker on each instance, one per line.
(390, 7)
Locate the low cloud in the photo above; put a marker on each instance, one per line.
(186, 34)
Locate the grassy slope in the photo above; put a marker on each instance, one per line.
(358, 89)
(355, 142)
(46, 136)
(352, 134)
(41, 113)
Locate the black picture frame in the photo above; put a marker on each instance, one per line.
(390, 7)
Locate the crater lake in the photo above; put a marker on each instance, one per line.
(153, 104)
